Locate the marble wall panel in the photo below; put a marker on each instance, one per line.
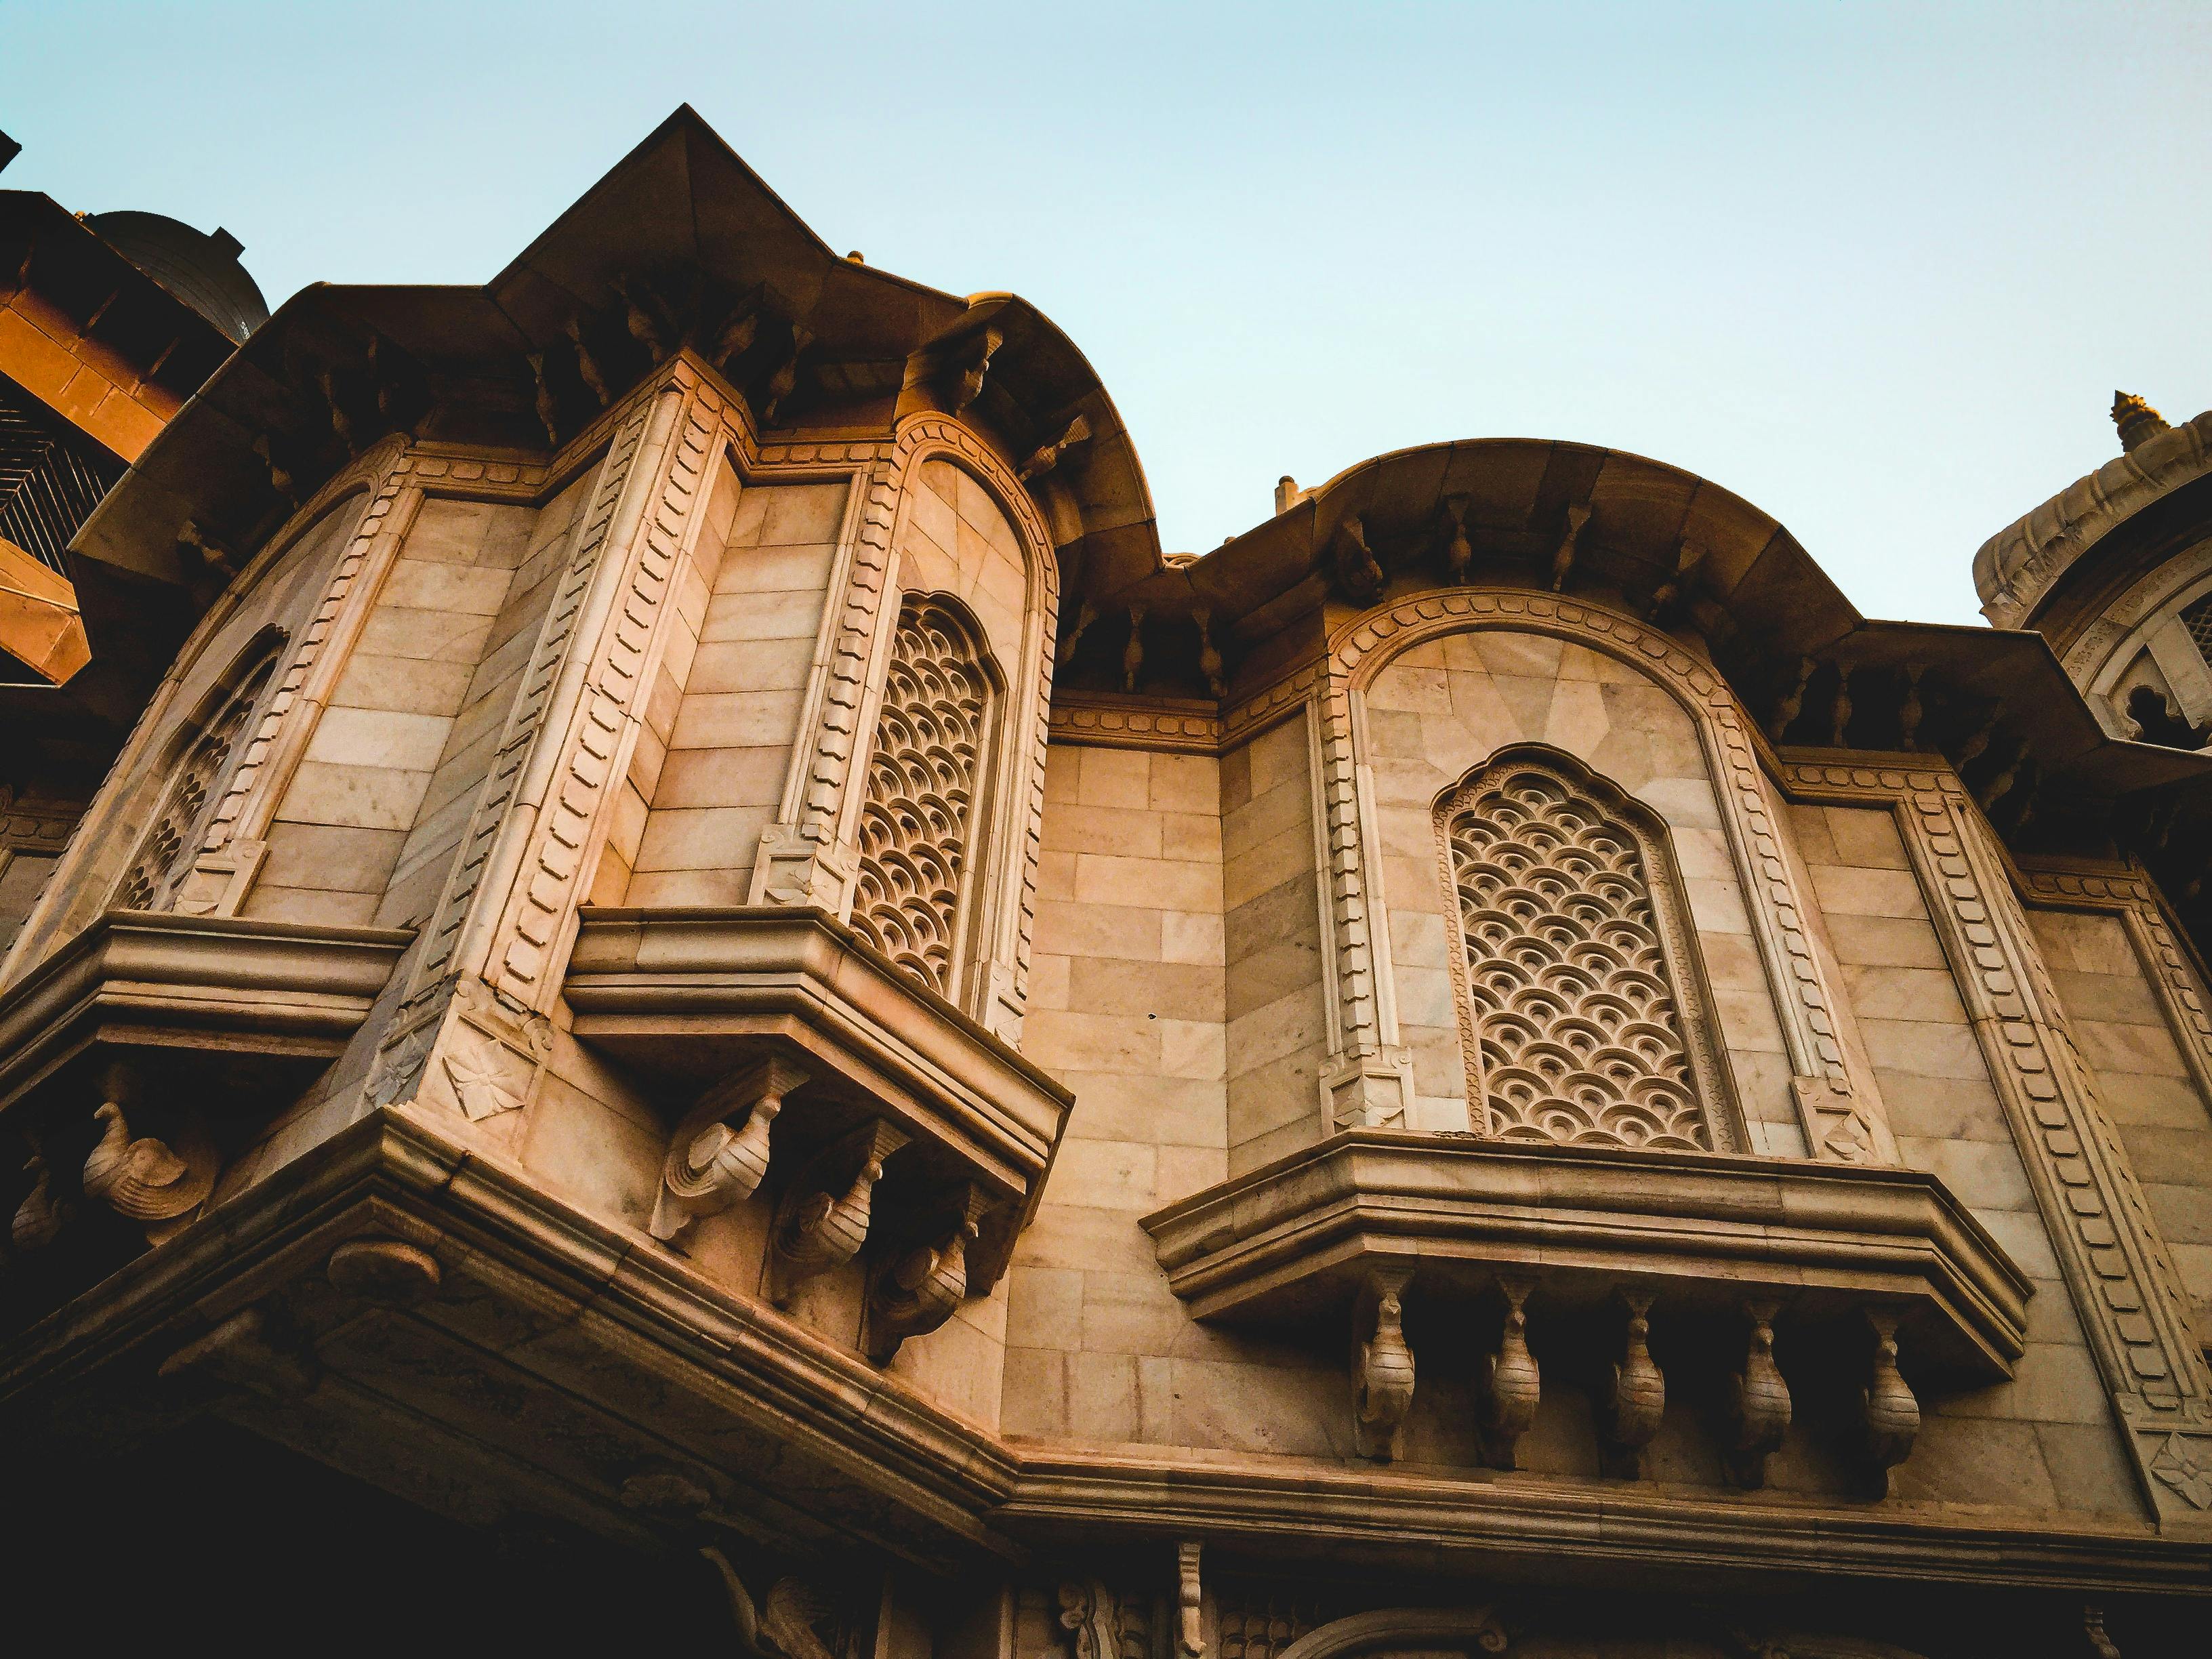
(709, 769)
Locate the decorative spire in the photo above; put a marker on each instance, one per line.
(2137, 421)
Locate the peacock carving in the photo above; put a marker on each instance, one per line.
(144, 1178)
(915, 822)
(1577, 1031)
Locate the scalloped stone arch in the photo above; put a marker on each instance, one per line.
(1838, 1101)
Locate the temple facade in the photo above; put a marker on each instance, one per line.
(711, 1002)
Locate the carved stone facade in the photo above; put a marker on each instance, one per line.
(709, 965)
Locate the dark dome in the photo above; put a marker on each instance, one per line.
(201, 270)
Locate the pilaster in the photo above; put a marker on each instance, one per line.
(2117, 1266)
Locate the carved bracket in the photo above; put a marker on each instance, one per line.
(914, 1291)
(1190, 1607)
(1512, 1384)
(1631, 1409)
(710, 1166)
(154, 1181)
(1759, 1401)
(1381, 1366)
(823, 1220)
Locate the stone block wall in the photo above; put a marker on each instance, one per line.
(710, 770)
(1277, 993)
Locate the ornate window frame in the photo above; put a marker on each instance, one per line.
(828, 781)
(225, 713)
(1718, 1114)
(1840, 1103)
(970, 845)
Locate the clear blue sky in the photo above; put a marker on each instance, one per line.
(1876, 268)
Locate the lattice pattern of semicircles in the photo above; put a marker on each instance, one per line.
(921, 784)
(171, 842)
(1573, 1005)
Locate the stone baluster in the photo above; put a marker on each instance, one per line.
(1888, 1412)
(1512, 1383)
(1382, 1365)
(1630, 1410)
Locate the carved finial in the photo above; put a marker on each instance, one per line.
(1512, 1382)
(1042, 460)
(548, 411)
(1839, 711)
(710, 1166)
(817, 1229)
(1792, 701)
(1209, 653)
(1459, 551)
(341, 423)
(1887, 1411)
(1562, 562)
(1356, 572)
(1910, 711)
(1085, 614)
(1382, 1375)
(1132, 654)
(1629, 1416)
(1287, 494)
(587, 366)
(1759, 1405)
(2137, 421)
(41, 1216)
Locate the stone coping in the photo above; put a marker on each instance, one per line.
(693, 992)
(241, 987)
(539, 1302)
(1293, 1240)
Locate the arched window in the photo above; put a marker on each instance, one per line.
(202, 762)
(917, 820)
(1580, 1009)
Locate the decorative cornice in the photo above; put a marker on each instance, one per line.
(882, 1461)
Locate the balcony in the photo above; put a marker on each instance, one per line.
(1850, 1266)
(890, 1118)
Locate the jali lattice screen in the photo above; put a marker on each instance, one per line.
(1571, 1007)
(914, 824)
